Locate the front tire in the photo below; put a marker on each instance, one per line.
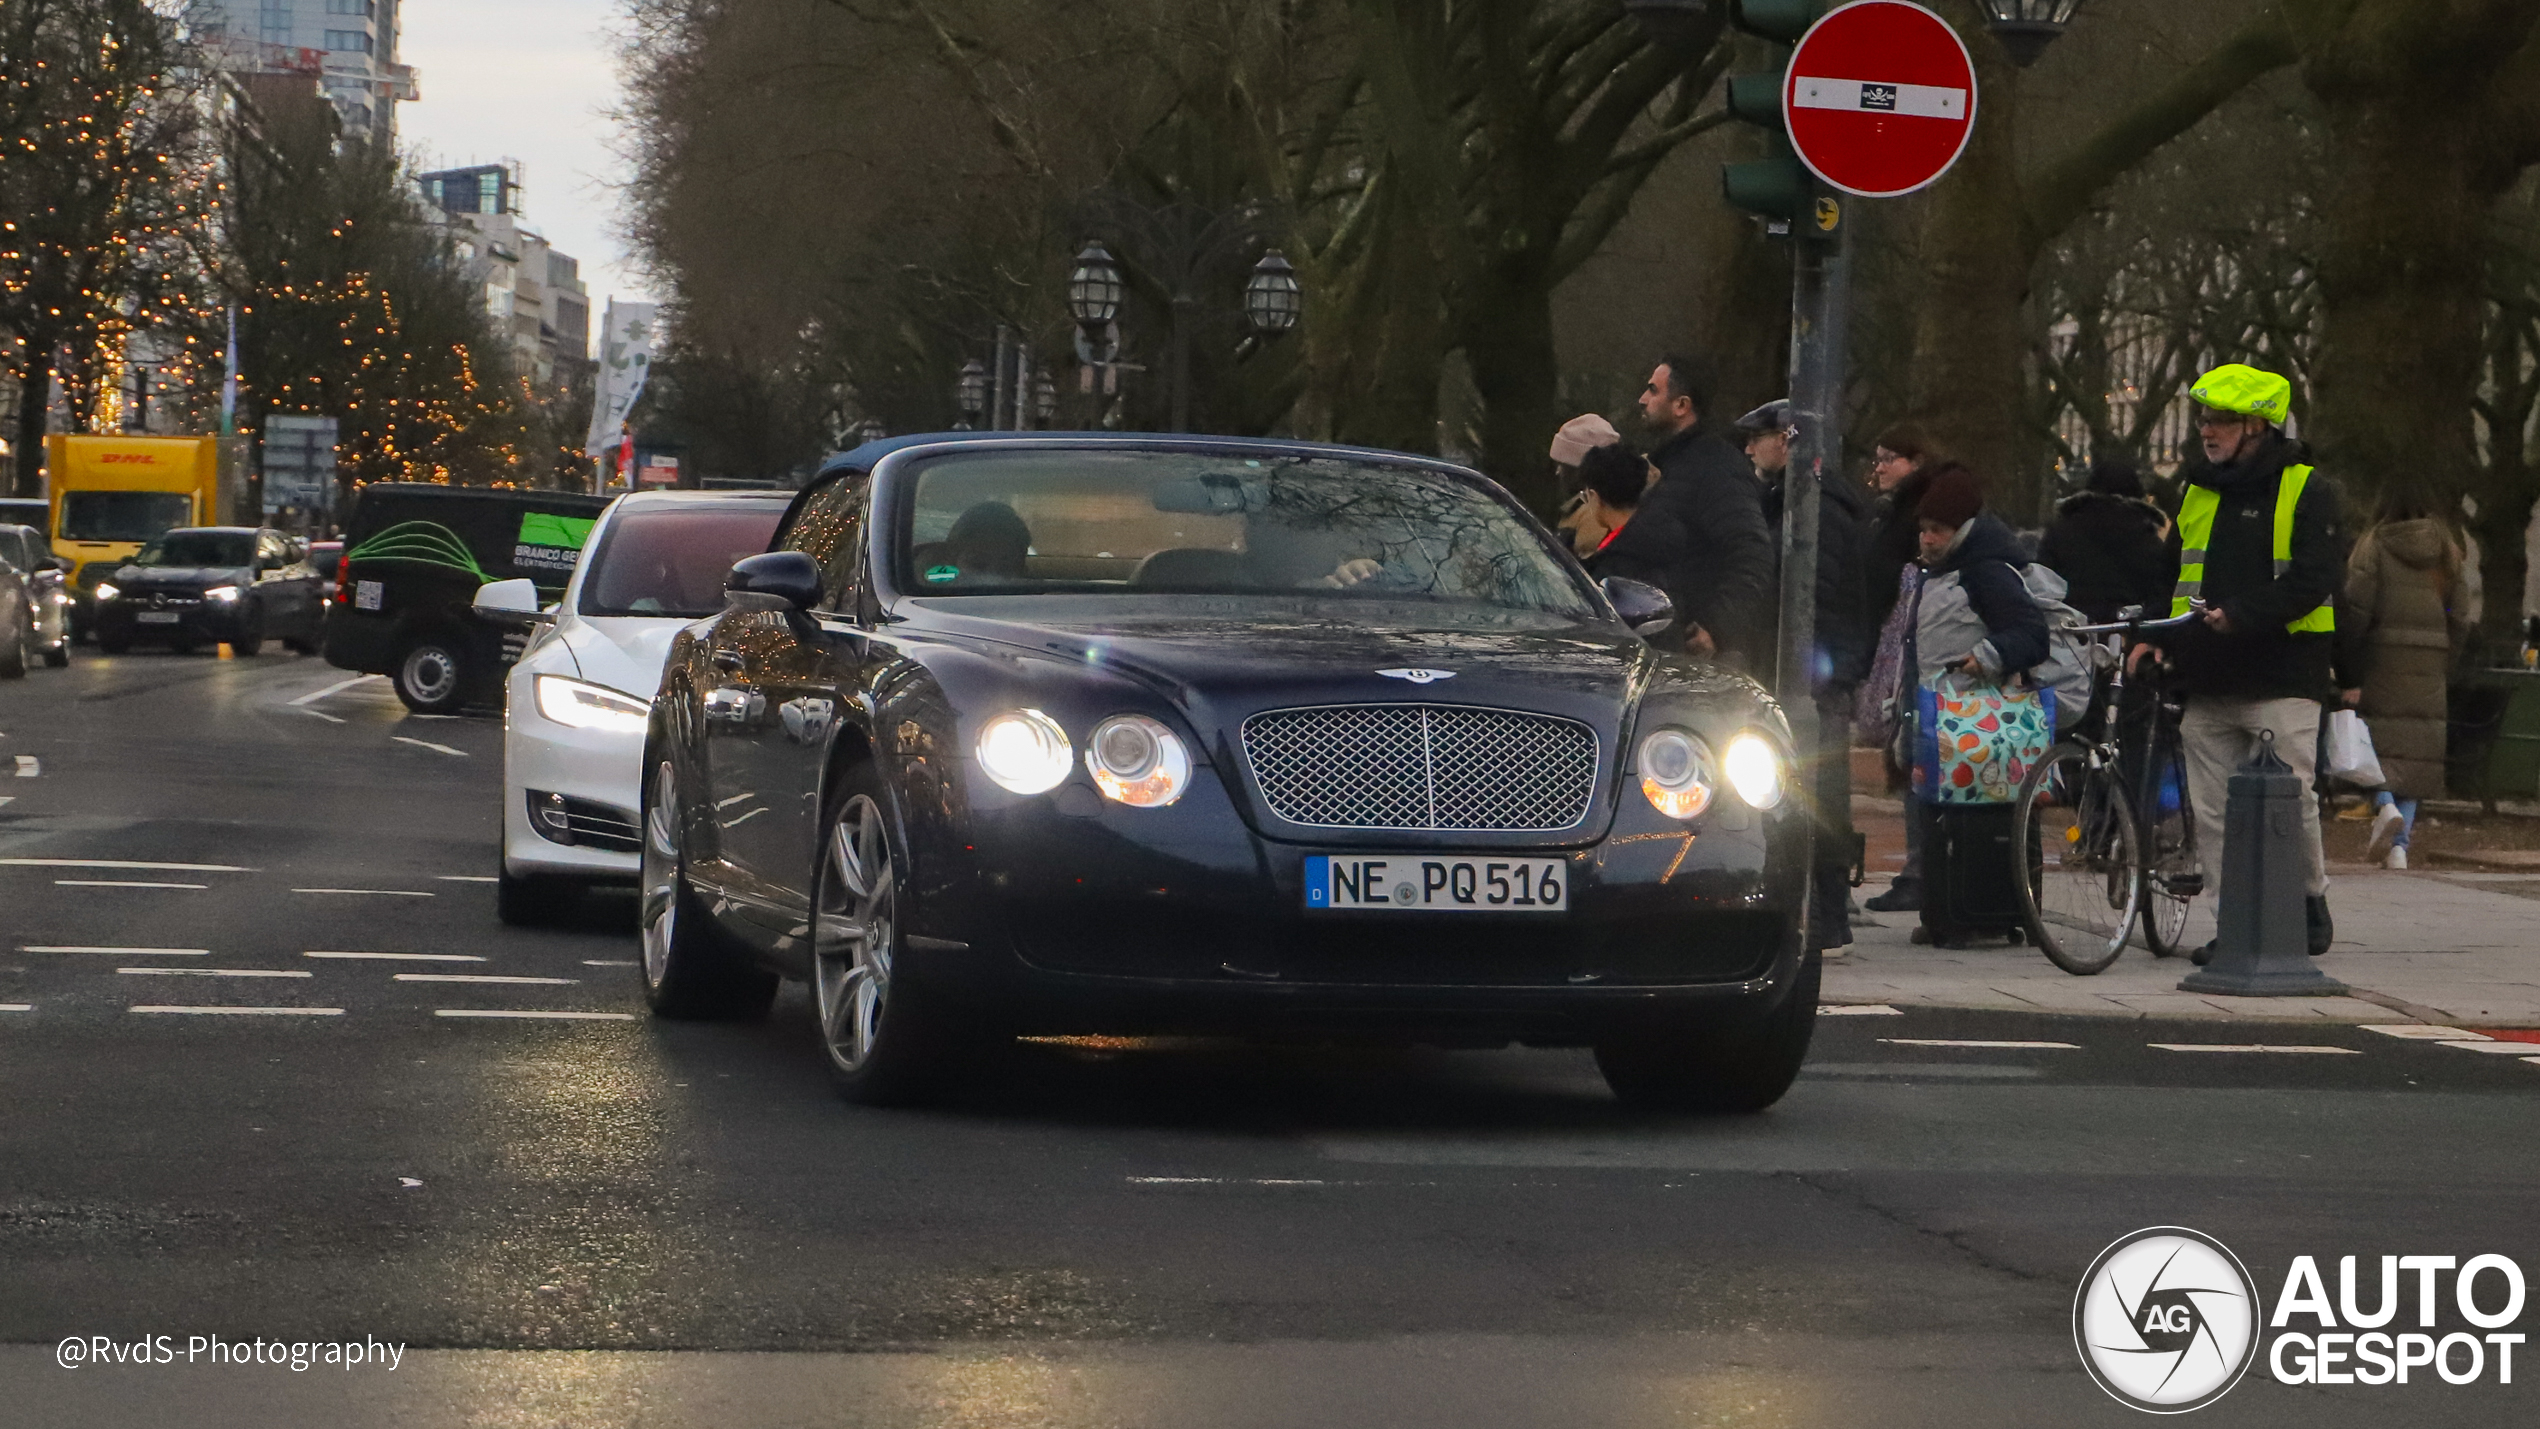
(692, 969)
(1693, 1067)
(431, 676)
(2084, 877)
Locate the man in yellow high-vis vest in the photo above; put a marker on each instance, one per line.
(2259, 539)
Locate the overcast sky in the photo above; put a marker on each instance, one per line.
(526, 80)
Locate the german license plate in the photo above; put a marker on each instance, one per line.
(156, 617)
(1436, 883)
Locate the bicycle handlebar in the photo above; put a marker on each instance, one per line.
(2195, 611)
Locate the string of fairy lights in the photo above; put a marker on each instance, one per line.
(144, 200)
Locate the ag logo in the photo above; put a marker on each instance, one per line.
(2166, 1320)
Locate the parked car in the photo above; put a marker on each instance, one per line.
(406, 589)
(42, 623)
(578, 698)
(197, 585)
(1176, 734)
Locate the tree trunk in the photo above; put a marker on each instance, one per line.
(35, 399)
(1969, 338)
(1507, 338)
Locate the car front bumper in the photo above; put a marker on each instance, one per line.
(599, 775)
(137, 619)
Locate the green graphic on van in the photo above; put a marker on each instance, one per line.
(426, 543)
(549, 542)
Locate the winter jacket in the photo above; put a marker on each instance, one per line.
(1888, 544)
(1975, 603)
(2112, 553)
(1841, 655)
(2260, 659)
(1650, 547)
(1724, 581)
(2405, 592)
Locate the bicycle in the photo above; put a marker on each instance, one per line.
(2110, 839)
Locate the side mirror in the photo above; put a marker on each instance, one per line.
(788, 576)
(512, 602)
(53, 563)
(1643, 607)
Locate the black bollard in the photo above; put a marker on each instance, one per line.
(2262, 948)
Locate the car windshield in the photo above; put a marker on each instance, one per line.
(122, 515)
(672, 559)
(1116, 522)
(199, 548)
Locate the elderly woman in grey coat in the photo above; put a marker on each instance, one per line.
(2412, 602)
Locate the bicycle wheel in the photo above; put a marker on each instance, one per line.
(2084, 880)
(2171, 876)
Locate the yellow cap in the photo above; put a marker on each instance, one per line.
(2234, 387)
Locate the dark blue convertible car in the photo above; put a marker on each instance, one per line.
(1116, 734)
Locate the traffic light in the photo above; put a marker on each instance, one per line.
(1778, 187)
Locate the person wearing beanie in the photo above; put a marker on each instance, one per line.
(2109, 544)
(1570, 446)
(1579, 436)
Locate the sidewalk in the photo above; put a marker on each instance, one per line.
(2428, 946)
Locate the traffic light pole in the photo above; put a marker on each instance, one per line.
(1820, 306)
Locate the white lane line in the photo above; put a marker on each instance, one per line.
(30, 1007)
(465, 878)
(118, 952)
(321, 714)
(402, 957)
(483, 977)
(2420, 1032)
(2492, 1047)
(8, 798)
(120, 883)
(2535, 1061)
(29, 766)
(245, 1011)
(122, 863)
(375, 892)
(1232, 1181)
(215, 972)
(1952, 1042)
(609, 962)
(2253, 1047)
(314, 696)
(533, 1016)
(1856, 1009)
(428, 744)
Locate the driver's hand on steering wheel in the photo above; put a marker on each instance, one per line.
(1352, 572)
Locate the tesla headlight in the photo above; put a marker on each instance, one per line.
(581, 705)
(106, 592)
(1138, 762)
(1675, 773)
(1024, 751)
(222, 593)
(1754, 768)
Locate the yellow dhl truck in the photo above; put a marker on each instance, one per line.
(112, 493)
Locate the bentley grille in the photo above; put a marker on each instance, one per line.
(1422, 767)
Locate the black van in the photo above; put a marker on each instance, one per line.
(413, 558)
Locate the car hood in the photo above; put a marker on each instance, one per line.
(623, 652)
(180, 578)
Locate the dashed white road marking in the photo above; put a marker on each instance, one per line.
(121, 883)
(2294, 1047)
(483, 977)
(245, 1011)
(215, 972)
(1856, 1009)
(609, 962)
(2496, 1048)
(118, 952)
(428, 744)
(2420, 1032)
(314, 696)
(466, 878)
(29, 766)
(321, 714)
(30, 1007)
(131, 865)
(533, 1016)
(375, 892)
(8, 798)
(402, 957)
(1954, 1042)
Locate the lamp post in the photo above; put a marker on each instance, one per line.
(972, 392)
(1179, 244)
(1273, 301)
(1044, 396)
(870, 430)
(2026, 27)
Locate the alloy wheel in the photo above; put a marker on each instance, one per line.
(853, 934)
(660, 875)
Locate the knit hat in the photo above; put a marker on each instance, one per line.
(1579, 434)
(1953, 498)
(2115, 476)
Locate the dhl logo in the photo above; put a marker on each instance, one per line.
(126, 459)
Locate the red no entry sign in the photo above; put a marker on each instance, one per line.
(1880, 98)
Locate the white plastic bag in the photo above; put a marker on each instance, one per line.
(2351, 759)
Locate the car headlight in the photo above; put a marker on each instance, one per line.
(1138, 762)
(581, 705)
(1025, 751)
(1675, 773)
(106, 592)
(1754, 768)
(222, 593)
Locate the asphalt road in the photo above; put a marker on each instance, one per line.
(600, 1220)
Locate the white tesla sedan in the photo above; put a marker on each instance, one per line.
(577, 701)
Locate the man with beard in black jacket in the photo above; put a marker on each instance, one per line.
(1839, 653)
(1725, 589)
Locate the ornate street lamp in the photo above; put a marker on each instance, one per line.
(1272, 299)
(1094, 289)
(1044, 396)
(972, 392)
(871, 431)
(2027, 27)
